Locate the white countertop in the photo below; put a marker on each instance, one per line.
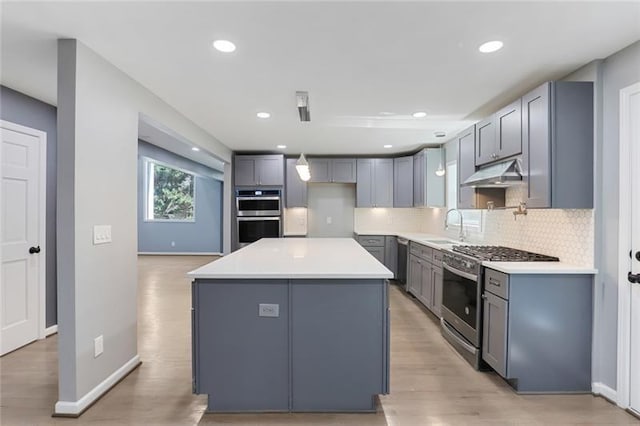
(538, 268)
(289, 258)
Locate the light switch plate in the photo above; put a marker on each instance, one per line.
(101, 234)
(98, 346)
(269, 310)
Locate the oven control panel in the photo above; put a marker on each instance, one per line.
(461, 263)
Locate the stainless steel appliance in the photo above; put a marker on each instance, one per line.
(258, 215)
(462, 290)
(258, 202)
(403, 247)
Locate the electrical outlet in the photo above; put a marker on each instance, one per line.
(101, 234)
(98, 346)
(329, 220)
(269, 310)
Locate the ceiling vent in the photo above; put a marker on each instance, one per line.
(302, 99)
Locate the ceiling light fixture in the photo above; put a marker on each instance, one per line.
(263, 115)
(302, 167)
(491, 46)
(419, 114)
(439, 134)
(440, 171)
(302, 100)
(281, 146)
(224, 46)
(195, 148)
(388, 146)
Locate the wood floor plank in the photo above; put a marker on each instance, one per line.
(430, 383)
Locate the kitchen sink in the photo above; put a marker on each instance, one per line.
(439, 241)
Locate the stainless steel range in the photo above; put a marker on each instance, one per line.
(462, 290)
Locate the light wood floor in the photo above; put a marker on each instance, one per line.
(430, 383)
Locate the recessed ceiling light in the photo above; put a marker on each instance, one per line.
(439, 134)
(281, 146)
(491, 46)
(224, 46)
(195, 148)
(388, 146)
(419, 114)
(263, 115)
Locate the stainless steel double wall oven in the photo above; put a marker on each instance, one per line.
(259, 215)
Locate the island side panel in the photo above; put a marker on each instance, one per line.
(550, 323)
(339, 344)
(242, 358)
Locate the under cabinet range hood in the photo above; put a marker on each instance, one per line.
(500, 175)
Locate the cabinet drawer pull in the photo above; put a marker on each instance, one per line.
(494, 282)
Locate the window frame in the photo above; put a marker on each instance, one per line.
(149, 191)
(473, 224)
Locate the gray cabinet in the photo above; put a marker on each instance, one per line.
(428, 188)
(424, 279)
(558, 145)
(332, 170)
(466, 167)
(374, 186)
(384, 248)
(259, 170)
(295, 188)
(403, 182)
(494, 332)
(500, 135)
(377, 252)
(391, 254)
(537, 330)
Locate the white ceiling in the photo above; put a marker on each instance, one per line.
(357, 60)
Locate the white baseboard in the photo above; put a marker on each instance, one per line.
(51, 330)
(601, 389)
(75, 408)
(182, 253)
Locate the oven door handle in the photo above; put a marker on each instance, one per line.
(257, 198)
(462, 274)
(254, 219)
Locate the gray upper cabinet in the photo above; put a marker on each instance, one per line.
(333, 170)
(259, 170)
(374, 182)
(500, 135)
(434, 184)
(419, 166)
(296, 188)
(466, 167)
(558, 145)
(485, 141)
(403, 182)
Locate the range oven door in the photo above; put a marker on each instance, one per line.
(251, 229)
(258, 206)
(460, 307)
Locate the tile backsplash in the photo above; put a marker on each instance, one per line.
(388, 220)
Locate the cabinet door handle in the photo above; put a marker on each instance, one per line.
(494, 282)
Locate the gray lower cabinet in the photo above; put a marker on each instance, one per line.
(377, 252)
(424, 279)
(537, 330)
(558, 145)
(374, 186)
(332, 170)
(295, 188)
(384, 248)
(259, 170)
(403, 182)
(391, 254)
(327, 349)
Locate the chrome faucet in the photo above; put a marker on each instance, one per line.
(446, 222)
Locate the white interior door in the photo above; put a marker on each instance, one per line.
(21, 231)
(633, 129)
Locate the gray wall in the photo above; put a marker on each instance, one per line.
(333, 200)
(27, 111)
(204, 235)
(98, 114)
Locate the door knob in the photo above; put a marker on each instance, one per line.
(633, 278)
(33, 250)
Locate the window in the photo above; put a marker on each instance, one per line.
(170, 193)
(472, 218)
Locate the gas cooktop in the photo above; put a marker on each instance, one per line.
(503, 254)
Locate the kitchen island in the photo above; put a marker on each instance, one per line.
(291, 324)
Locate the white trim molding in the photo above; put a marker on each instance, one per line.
(624, 245)
(51, 330)
(605, 391)
(42, 220)
(76, 408)
(178, 253)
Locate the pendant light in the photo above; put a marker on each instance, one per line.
(440, 171)
(302, 167)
